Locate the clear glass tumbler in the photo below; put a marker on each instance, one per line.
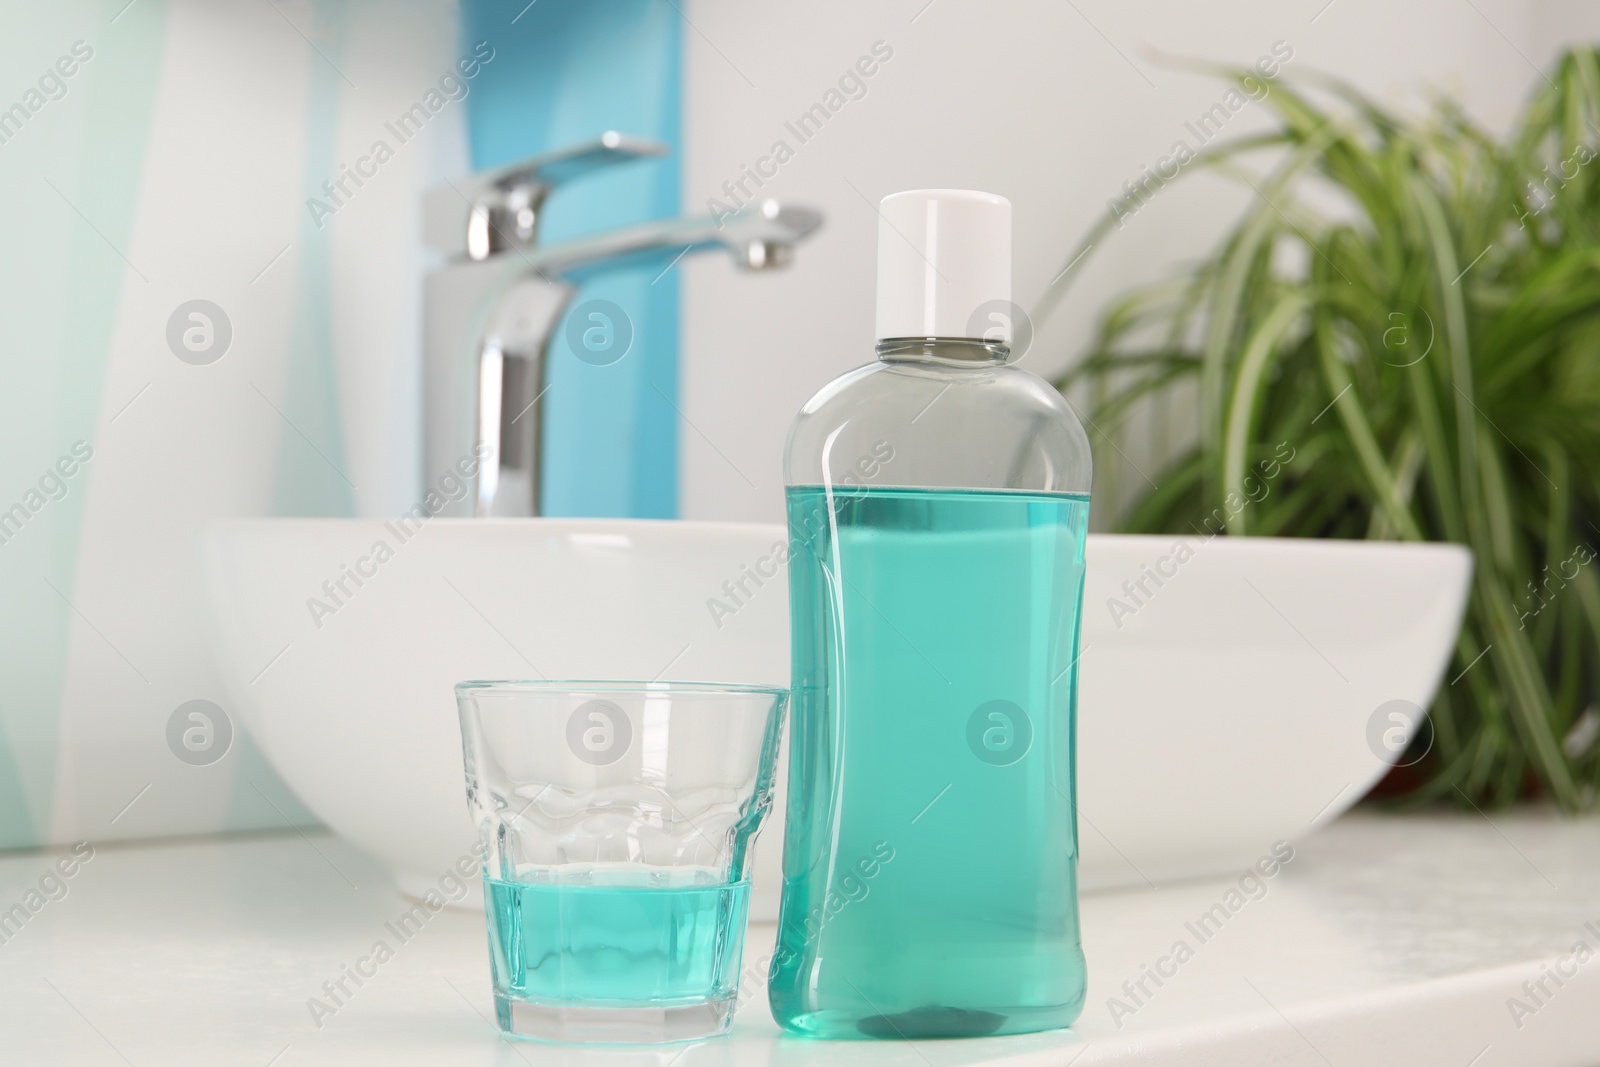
(619, 819)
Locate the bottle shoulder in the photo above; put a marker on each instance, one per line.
(920, 423)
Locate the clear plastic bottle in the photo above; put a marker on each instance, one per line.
(937, 503)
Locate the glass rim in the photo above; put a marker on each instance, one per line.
(589, 685)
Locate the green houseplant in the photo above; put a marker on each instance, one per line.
(1431, 353)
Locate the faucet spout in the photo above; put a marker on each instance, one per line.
(760, 237)
(489, 312)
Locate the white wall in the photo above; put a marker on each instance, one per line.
(234, 134)
(1053, 105)
(1555, 22)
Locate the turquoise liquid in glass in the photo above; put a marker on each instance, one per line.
(930, 858)
(616, 944)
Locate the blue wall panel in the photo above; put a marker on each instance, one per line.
(564, 71)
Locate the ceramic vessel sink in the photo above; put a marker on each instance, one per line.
(1226, 707)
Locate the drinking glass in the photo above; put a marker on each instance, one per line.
(618, 819)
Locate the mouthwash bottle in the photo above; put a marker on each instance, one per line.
(937, 502)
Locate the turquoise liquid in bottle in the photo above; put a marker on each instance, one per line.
(930, 859)
(938, 501)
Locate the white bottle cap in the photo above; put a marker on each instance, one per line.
(944, 264)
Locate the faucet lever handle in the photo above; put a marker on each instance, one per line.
(499, 209)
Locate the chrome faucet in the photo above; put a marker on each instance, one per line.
(490, 310)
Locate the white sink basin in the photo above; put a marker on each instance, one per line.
(1230, 707)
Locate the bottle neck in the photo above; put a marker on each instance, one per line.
(949, 351)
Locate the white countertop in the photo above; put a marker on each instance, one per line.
(1386, 940)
